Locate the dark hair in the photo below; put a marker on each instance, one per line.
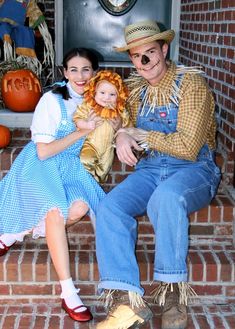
(81, 52)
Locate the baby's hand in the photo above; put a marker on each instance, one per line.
(95, 119)
(91, 125)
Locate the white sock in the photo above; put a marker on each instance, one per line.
(70, 295)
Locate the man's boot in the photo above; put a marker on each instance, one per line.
(125, 310)
(174, 298)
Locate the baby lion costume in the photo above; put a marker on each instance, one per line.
(98, 151)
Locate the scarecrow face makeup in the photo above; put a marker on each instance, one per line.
(106, 94)
(149, 60)
(79, 72)
(145, 60)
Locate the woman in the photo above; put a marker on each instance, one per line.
(47, 187)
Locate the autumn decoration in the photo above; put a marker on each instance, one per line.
(21, 90)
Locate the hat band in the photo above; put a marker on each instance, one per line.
(136, 40)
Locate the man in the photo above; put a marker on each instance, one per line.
(173, 112)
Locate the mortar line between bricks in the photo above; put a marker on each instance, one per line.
(5, 266)
(35, 256)
(17, 320)
(225, 323)
(3, 316)
(77, 265)
(194, 319)
(34, 316)
(19, 264)
(203, 265)
(208, 317)
(91, 265)
(231, 263)
(47, 322)
(61, 321)
(218, 265)
(48, 267)
(209, 214)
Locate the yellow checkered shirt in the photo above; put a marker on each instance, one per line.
(196, 123)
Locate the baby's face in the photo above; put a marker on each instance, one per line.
(106, 94)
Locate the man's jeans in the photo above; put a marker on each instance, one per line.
(169, 189)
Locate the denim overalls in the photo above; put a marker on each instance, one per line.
(169, 189)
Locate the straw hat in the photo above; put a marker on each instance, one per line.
(140, 33)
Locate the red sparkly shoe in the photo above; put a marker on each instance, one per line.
(83, 316)
(5, 248)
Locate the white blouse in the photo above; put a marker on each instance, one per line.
(47, 115)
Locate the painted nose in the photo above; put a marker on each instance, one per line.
(145, 60)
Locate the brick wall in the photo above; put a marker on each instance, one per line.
(207, 38)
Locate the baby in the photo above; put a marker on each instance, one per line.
(104, 97)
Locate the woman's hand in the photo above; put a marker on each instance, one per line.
(124, 146)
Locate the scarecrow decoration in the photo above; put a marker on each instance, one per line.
(18, 38)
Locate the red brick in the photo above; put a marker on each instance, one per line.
(215, 211)
(203, 215)
(84, 266)
(41, 274)
(9, 322)
(40, 321)
(197, 266)
(230, 291)
(230, 319)
(54, 322)
(211, 267)
(30, 289)
(4, 289)
(26, 321)
(5, 159)
(12, 270)
(26, 266)
(141, 259)
(205, 290)
(201, 230)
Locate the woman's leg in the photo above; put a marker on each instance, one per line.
(59, 252)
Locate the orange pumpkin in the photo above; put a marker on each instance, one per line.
(21, 90)
(5, 136)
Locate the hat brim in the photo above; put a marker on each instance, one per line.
(167, 36)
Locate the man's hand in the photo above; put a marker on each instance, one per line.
(124, 146)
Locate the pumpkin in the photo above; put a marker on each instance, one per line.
(5, 136)
(21, 90)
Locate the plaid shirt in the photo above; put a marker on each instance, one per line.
(196, 124)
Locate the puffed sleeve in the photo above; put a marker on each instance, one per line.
(46, 119)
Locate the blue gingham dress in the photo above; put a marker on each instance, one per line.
(32, 187)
